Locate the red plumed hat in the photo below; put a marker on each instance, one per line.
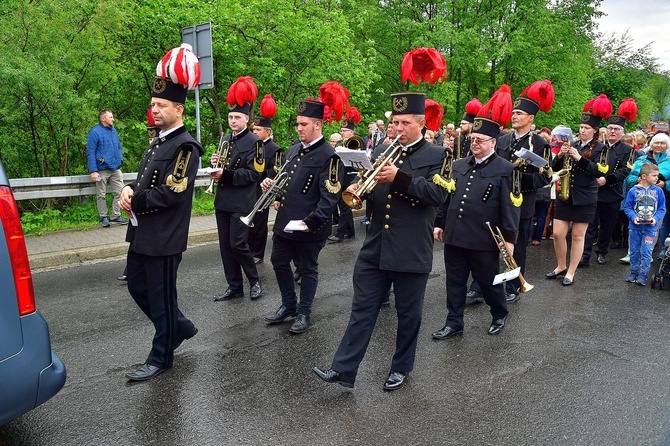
(496, 113)
(627, 112)
(353, 117)
(425, 64)
(336, 97)
(268, 110)
(537, 96)
(152, 128)
(241, 94)
(471, 109)
(596, 110)
(434, 114)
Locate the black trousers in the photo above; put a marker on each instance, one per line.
(606, 216)
(234, 247)
(283, 252)
(258, 235)
(371, 288)
(345, 225)
(152, 283)
(484, 265)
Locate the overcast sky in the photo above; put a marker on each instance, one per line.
(646, 20)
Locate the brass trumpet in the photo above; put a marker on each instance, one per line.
(268, 197)
(353, 143)
(510, 264)
(367, 181)
(223, 151)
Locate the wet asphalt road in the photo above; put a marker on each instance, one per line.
(580, 365)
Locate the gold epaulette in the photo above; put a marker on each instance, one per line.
(332, 183)
(178, 181)
(259, 158)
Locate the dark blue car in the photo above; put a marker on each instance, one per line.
(30, 372)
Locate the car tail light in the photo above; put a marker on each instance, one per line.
(18, 255)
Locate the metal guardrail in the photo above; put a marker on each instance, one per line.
(72, 186)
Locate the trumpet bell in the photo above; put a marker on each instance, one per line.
(525, 287)
(247, 221)
(352, 200)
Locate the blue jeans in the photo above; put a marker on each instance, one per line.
(641, 243)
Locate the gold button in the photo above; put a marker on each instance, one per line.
(386, 226)
(387, 216)
(388, 196)
(388, 206)
(400, 162)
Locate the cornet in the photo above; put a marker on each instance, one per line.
(223, 160)
(510, 264)
(268, 197)
(367, 182)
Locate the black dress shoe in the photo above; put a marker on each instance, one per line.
(228, 295)
(567, 282)
(256, 291)
(300, 325)
(334, 239)
(278, 316)
(553, 274)
(258, 260)
(474, 297)
(180, 339)
(122, 278)
(584, 263)
(447, 332)
(147, 371)
(395, 381)
(497, 326)
(331, 376)
(512, 297)
(601, 259)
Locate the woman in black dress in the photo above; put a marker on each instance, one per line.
(579, 207)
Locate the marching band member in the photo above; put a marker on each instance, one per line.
(274, 160)
(159, 203)
(236, 192)
(398, 248)
(310, 196)
(578, 196)
(483, 187)
(613, 168)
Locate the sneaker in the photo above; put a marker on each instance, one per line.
(120, 220)
(641, 280)
(365, 221)
(632, 278)
(104, 221)
(625, 260)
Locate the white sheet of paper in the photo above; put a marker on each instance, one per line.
(133, 218)
(507, 275)
(354, 158)
(209, 170)
(295, 225)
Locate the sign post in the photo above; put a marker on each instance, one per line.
(200, 39)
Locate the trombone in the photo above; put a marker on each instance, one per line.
(367, 181)
(223, 152)
(268, 197)
(510, 264)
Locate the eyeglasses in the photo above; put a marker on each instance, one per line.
(478, 140)
(614, 129)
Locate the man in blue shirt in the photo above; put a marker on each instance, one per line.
(103, 151)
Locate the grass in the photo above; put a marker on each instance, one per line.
(85, 216)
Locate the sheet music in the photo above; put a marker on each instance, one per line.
(354, 158)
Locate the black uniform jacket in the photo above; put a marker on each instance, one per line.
(583, 175)
(461, 146)
(531, 178)
(163, 195)
(617, 160)
(274, 159)
(400, 234)
(482, 194)
(237, 190)
(315, 181)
